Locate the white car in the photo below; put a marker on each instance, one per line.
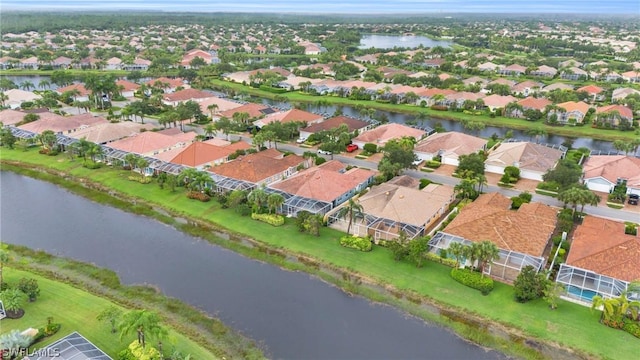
(324, 152)
(301, 140)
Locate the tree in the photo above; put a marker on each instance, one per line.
(13, 301)
(30, 288)
(94, 151)
(3, 97)
(416, 250)
(472, 163)
(552, 292)
(258, 197)
(274, 201)
(48, 140)
(4, 258)
(472, 253)
(529, 284)
(566, 173)
(7, 138)
(145, 323)
(398, 155)
(112, 315)
(212, 109)
(399, 248)
(466, 188)
(27, 85)
(456, 250)
(30, 118)
(487, 252)
(352, 210)
(224, 125)
(616, 309)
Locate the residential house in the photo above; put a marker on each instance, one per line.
(15, 98)
(113, 64)
(61, 62)
(602, 261)
(613, 115)
(489, 66)
(596, 93)
(523, 236)
(513, 70)
(448, 146)
(264, 167)
(620, 94)
(10, 117)
(603, 172)
(107, 132)
(185, 95)
(631, 76)
(207, 56)
(335, 122)
(533, 160)
(254, 110)
(204, 155)
(574, 112)
(7, 62)
(574, 74)
(570, 63)
(82, 92)
(29, 63)
(137, 65)
(383, 133)
(544, 71)
(218, 105)
(433, 63)
(168, 85)
(456, 99)
(495, 101)
(531, 103)
(127, 88)
(63, 125)
(391, 209)
(367, 59)
(294, 82)
(150, 143)
(557, 85)
(330, 183)
(526, 88)
(289, 116)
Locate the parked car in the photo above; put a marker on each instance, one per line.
(352, 147)
(301, 140)
(324, 152)
(633, 199)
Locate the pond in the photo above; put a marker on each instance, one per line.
(402, 41)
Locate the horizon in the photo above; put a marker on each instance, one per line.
(353, 7)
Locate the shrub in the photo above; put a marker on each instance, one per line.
(51, 329)
(92, 165)
(141, 353)
(272, 219)
(198, 196)
(320, 160)
(370, 148)
(473, 280)
(439, 107)
(424, 183)
(29, 287)
(549, 186)
(439, 259)
(355, 242)
(529, 285)
(140, 179)
(433, 164)
(631, 327)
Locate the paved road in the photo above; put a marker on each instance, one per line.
(600, 211)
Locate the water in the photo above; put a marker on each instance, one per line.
(391, 41)
(296, 316)
(34, 79)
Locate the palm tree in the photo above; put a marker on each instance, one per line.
(27, 85)
(3, 97)
(145, 323)
(131, 160)
(44, 84)
(274, 201)
(258, 197)
(212, 109)
(142, 164)
(472, 253)
(13, 301)
(487, 252)
(210, 131)
(456, 250)
(187, 176)
(241, 117)
(94, 151)
(48, 139)
(352, 210)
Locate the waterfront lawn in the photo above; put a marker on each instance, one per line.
(76, 310)
(571, 325)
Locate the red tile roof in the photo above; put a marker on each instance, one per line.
(291, 116)
(335, 122)
(254, 110)
(534, 103)
(600, 245)
(186, 95)
(624, 111)
(386, 132)
(259, 166)
(199, 153)
(80, 87)
(612, 168)
(591, 89)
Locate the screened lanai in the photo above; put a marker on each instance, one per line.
(22, 134)
(225, 184)
(293, 204)
(507, 267)
(583, 285)
(378, 228)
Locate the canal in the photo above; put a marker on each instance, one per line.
(296, 316)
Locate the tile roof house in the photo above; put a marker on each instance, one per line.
(168, 85)
(113, 64)
(631, 76)
(181, 96)
(513, 69)
(522, 235)
(83, 93)
(150, 143)
(335, 122)
(290, 116)
(383, 133)
(574, 73)
(330, 182)
(108, 132)
(202, 155)
(219, 105)
(496, 101)
(254, 110)
(621, 93)
(489, 66)
(533, 160)
(449, 146)
(603, 260)
(607, 114)
(264, 167)
(11, 117)
(15, 98)
(127, 88)
(544, 71)
(64, 125)
(189, 56)
(526, 88)
(390, 209)
(603, 172)
(574, 112)
(595, 92)
(557, 85)
(531, 103)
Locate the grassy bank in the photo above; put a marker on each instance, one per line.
(571, 325)
(499, 121)
(75, 72)
(76, 310)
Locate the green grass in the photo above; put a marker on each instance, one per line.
(76, 310)
(520, 124)
(571, 325)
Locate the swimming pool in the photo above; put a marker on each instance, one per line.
(582, 294)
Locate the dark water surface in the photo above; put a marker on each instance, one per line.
(295, 315)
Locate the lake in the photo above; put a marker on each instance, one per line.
(295, 315)
(391, 41)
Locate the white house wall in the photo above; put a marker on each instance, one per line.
(599, 184)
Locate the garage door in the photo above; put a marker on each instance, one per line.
(598, 186)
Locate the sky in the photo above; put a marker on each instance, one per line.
(339, 6)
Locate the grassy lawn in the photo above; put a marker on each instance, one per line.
(76, 310)
(520, 124)
(571, 325)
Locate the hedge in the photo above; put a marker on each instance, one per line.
(433, 164)
(140, 179)
(272, 219)
(631, 327)
(354, 242)
(439, 259)
(198, 196)
(473, 280)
